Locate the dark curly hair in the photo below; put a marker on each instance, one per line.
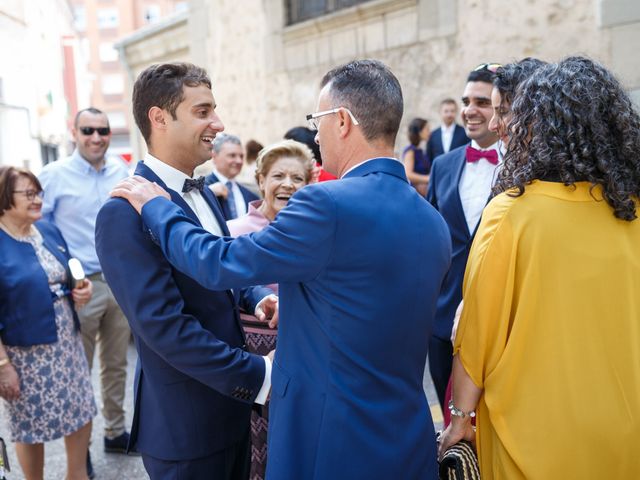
(573, 121)
(508, 77)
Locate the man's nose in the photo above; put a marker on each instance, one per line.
(216, 123)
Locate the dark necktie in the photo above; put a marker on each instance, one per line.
(231, 201)
(193, 184)
(474, 155)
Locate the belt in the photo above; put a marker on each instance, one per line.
(96, 276)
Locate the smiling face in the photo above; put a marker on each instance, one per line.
(92, 147)
(229, 159)
(24, 211)
(501, 116)
(476, 113)
(285, 177)
(196, 124)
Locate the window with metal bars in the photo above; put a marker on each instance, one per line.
(301, 10)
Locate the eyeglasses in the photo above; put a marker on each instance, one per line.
(491, 67)
(312, 118)
(30, 194)
(88, 131)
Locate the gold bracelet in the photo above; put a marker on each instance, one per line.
(4, 361)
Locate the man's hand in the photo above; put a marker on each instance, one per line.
(267, 309)
(219, 189)
(138, 191)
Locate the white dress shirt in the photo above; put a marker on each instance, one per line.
(238, 198)
(475, 185)
(447, 136)
(174, 179)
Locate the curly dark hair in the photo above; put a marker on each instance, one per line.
(573, 121)
(508, 77)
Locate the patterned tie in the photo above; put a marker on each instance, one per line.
(231, 201)
(193, 184)
(474, 155)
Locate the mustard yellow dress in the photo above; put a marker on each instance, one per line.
(551, 333)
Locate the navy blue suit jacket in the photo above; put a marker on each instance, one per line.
(194, 383)
(27, 315)
(356, 310)
(247, 194)
(434, 145)
(443, 194)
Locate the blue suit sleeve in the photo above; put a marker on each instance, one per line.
(142, 282)
(293, 248)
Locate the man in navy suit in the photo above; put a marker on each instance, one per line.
(459, 189)
(356, 302)
(195, 383)
(228, 157)
(449, 135)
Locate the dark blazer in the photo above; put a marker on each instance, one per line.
(443, 194)
(247, 194)
(347, 398)
(195, 383)
(434, 145)
(27, 316)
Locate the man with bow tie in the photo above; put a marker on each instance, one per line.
(459, 188)
(195, 382)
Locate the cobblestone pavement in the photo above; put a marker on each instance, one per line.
(109, 466)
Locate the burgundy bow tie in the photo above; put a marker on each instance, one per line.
(473, 155)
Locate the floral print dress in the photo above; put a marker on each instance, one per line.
(56, 397)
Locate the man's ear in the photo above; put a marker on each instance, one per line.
(345, 122)
(157, 117)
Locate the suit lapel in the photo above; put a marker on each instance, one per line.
(459, 167)
(215, 208)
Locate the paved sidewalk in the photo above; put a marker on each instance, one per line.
(109, 466)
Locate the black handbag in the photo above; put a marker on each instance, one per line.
(459, 462)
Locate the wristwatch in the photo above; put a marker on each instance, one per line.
(456, 412)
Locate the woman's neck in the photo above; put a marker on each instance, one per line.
(266, 211)
(15, 229)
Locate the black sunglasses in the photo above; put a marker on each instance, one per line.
(104, 131)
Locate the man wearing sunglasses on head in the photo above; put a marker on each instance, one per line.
(74, 190)
(459, 188)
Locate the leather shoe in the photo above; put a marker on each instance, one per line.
(90, 473)
(118, 444)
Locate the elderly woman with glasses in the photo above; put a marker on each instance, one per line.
(548, 347)
(44, 377)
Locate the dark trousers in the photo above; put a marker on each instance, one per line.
(440, 361)
(232, 463)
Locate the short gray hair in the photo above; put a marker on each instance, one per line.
(222, 138)
(372, 93)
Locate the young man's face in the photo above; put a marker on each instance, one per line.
(92, 146)
(477, 112)
(448, 112)
(195, 126)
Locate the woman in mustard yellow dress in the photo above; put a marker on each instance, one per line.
(547, 352)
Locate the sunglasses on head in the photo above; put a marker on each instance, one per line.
(491, 67)
(89, 130)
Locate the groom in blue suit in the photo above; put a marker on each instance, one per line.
(356, 302)
(195, 383)
(459, 188)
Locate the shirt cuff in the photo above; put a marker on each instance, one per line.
(266, 384)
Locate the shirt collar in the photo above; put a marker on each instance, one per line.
(361, 163)
(221, 177)
(448, 129)
(83, 165)
(172, 177)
